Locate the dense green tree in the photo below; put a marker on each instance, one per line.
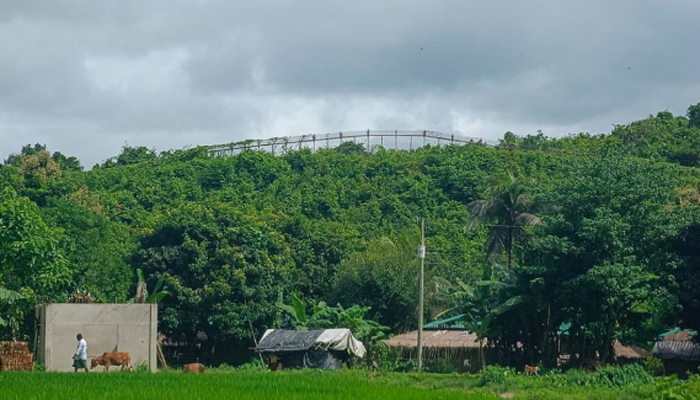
(383, 277)
(608, 225)
(222, 267)
(30, 261)
(231, 236)
(687, 246)
(67, 163)
(14, 159)
(96, 248)
(694, 115)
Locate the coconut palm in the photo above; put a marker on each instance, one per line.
(507, 206)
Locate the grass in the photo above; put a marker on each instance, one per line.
(287, 385)
(227, 383)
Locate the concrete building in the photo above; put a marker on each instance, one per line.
(106, 327)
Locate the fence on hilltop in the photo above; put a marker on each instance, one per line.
(396, 139)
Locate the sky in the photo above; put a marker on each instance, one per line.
(89, 77)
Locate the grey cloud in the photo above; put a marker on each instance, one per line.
(85, 77)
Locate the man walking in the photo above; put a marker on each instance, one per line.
(80, 356)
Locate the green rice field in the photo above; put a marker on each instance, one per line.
(230, 385)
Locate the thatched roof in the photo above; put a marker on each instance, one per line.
(464, 339)
(622, 351)
(436, 339)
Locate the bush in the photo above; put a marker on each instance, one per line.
(614, 376)
(494, 375)
(252, 364)
(653, 366)
(671, 388)
(391, 359)
(440, 366)
(143, 367)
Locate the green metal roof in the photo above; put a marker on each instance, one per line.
(676, 330)
(447, 323)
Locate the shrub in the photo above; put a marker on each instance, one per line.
(671, 388)
(252, 364)
(615, 376)
(494, 375)
(653, 366)
(143, 367)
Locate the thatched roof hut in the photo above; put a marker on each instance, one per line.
(459, 348)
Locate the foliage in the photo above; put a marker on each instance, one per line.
(223, 268)
(30, 262)
(95, 248)
(323, 316)
(494, 375)
(154, 296)
(230, 237)
(653, 366)
(7, 298)
(384, 278)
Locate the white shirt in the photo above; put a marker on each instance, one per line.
(81, 351)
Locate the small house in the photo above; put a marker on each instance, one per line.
(459, 348)
(678, 351)
(448, 342)
(324, 349)
(445, 342)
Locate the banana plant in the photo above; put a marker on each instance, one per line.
(142, 294)
(7, 297)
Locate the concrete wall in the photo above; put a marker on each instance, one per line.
(105, 327)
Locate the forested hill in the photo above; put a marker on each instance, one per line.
(613, 249)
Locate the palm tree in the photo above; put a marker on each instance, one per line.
(508, 205)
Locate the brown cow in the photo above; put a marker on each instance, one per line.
(108, 359)
(193, 368)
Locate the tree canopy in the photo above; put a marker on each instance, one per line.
(610, 218)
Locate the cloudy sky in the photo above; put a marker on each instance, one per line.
(86, 77)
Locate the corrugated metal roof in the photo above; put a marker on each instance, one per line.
(677, 350)
(447, 323)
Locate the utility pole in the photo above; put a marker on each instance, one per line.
(421, 255)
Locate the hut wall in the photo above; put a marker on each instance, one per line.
(680, 367)
(451, 359)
